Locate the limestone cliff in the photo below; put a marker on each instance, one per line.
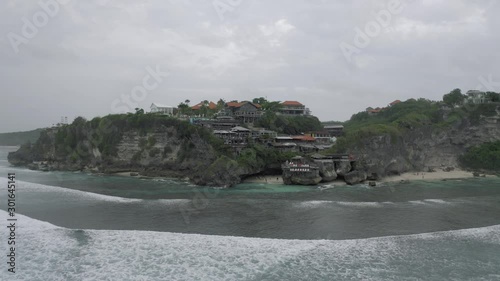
(171, 149)
(425, 148)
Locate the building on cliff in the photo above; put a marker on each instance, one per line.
(246, 112)
(219, 123)
(198, 108)
(334, 130)
(293, 108)
(163, 109)
(237, 137)
(476, 97)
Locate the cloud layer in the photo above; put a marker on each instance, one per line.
(89, 54)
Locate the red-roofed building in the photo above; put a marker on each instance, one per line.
(211, 105)
(246, 112)
(394, 102)
(233, 104)
(372, 111)
(293, 108)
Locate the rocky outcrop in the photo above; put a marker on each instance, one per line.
(22, 157)
(326, 170)
(355, 177)
(308, 178)
(343, 168)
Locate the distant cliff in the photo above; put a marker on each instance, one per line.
(18, 138)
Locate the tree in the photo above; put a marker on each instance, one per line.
(79, 121)
(493, 97)
(221, 104)
(454, 97)
(204, 109)
(260, 101)
(273, 106)
(139, 111)
(183, 108)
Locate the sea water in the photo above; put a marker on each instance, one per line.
(75, 226)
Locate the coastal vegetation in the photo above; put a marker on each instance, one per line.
(258, 156)
(391, 121)
(483, 157)
(401, 117)
(107, 132)
(290, 125)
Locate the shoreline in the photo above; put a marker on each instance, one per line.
(433, 176)
(405, 177)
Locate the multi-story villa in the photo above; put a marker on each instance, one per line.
(293, 108)
(246, 112)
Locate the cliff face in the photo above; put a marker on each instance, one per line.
(424, 148)
(162, 152)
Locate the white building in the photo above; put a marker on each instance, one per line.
(476, 97)
(162, 109)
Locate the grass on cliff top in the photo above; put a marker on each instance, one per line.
(408, 115)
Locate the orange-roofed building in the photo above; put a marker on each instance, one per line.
(395, 102)
(233, 104)
(293, 108)
(374, 111)
(246, 112)
(211, 105)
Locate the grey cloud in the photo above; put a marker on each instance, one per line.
(90, 54)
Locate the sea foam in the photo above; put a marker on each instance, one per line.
(73, 193)
(48, 252)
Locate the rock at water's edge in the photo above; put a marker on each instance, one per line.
(355, 177)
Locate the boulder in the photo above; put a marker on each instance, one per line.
(343, 168)
(355, 177)
(309, 178)
(326, 170)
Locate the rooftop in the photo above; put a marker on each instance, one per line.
(159, 105)
(239, 104)
(304, 138)
(240, 129)
(334, 127)
(211, 105)
(292, 103)
(395, 102)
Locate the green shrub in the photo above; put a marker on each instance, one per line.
(483, 157)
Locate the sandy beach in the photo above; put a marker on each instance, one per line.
(124, 174)
(264, 179)
(277, 179)
(438, 175)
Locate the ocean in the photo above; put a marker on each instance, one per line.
(78, 226)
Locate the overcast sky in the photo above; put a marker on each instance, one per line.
(95, 57)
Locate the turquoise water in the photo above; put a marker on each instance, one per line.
(77, 226)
